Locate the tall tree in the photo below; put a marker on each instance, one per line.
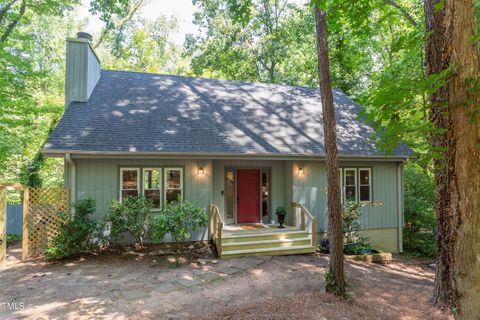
(142, 46)
(29, 66)
(451, 33)
(115, 14)
(251, 48)
(335, 277)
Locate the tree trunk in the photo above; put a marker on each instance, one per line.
(450, 31)
(329, 130)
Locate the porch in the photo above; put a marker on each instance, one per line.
(236, 240)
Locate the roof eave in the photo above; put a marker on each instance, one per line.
(53, 153)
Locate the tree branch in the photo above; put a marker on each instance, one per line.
(119, 24)
(3, 12)
(12, 24)
(403, 12)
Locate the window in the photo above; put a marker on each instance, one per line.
(350, 183)
(129, 182)
(173, 184)
(365, 177)
(230, 187)
(151, 185)
(148, 182)
(265, 195)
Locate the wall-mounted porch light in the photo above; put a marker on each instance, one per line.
(201, 171)
(301, 172)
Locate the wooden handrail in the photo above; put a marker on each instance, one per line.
(304, 213)
(216, 227)
(218, 212)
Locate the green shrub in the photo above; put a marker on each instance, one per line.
(419, 229)
(357, 248)
(281, 210)
(12, 238)
(353, 242)
(131, 216)
(179, 218)
(351, 226)
(76, 234)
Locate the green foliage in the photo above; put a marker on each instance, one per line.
(332, 286)
(32, 64)
(12, 238)
(353, 243)
(30, 174)
(31, 99)
(281, 210)
(419, 229)
(351, 224)
(143, 46)
(110, 10)
(357, 248)
(76, 234)
(131, 216)
(179, 218)
(258, 48)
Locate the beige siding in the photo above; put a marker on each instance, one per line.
(382, 239)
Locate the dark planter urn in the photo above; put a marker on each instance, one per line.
(325, 245)
(281, 219)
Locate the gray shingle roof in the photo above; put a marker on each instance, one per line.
(143, 112)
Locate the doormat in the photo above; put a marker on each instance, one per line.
(252, 226)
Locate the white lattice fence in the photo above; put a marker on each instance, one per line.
(44, 218)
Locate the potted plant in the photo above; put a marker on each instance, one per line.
(281, 212)
(325, 244)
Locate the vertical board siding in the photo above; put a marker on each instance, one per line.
(76, 72)
(15, 219)
(100, 179)
(93, 71)
(310, 190)
(82, 71)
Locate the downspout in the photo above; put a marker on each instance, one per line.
(73, 177)
(400, 205)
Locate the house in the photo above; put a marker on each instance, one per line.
(247, 148)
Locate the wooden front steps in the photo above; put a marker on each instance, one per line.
(263, 240)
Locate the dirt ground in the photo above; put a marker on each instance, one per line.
(133, 285)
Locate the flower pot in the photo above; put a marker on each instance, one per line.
(325, 245)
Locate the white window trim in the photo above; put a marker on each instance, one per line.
(369, 184)
(159, 184)
(166, 169)
(139, 180)
(345, 182)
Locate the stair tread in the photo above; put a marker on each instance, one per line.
(260, 234)
(232, 252)
(264, 241)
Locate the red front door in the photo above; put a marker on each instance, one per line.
(248, 196)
